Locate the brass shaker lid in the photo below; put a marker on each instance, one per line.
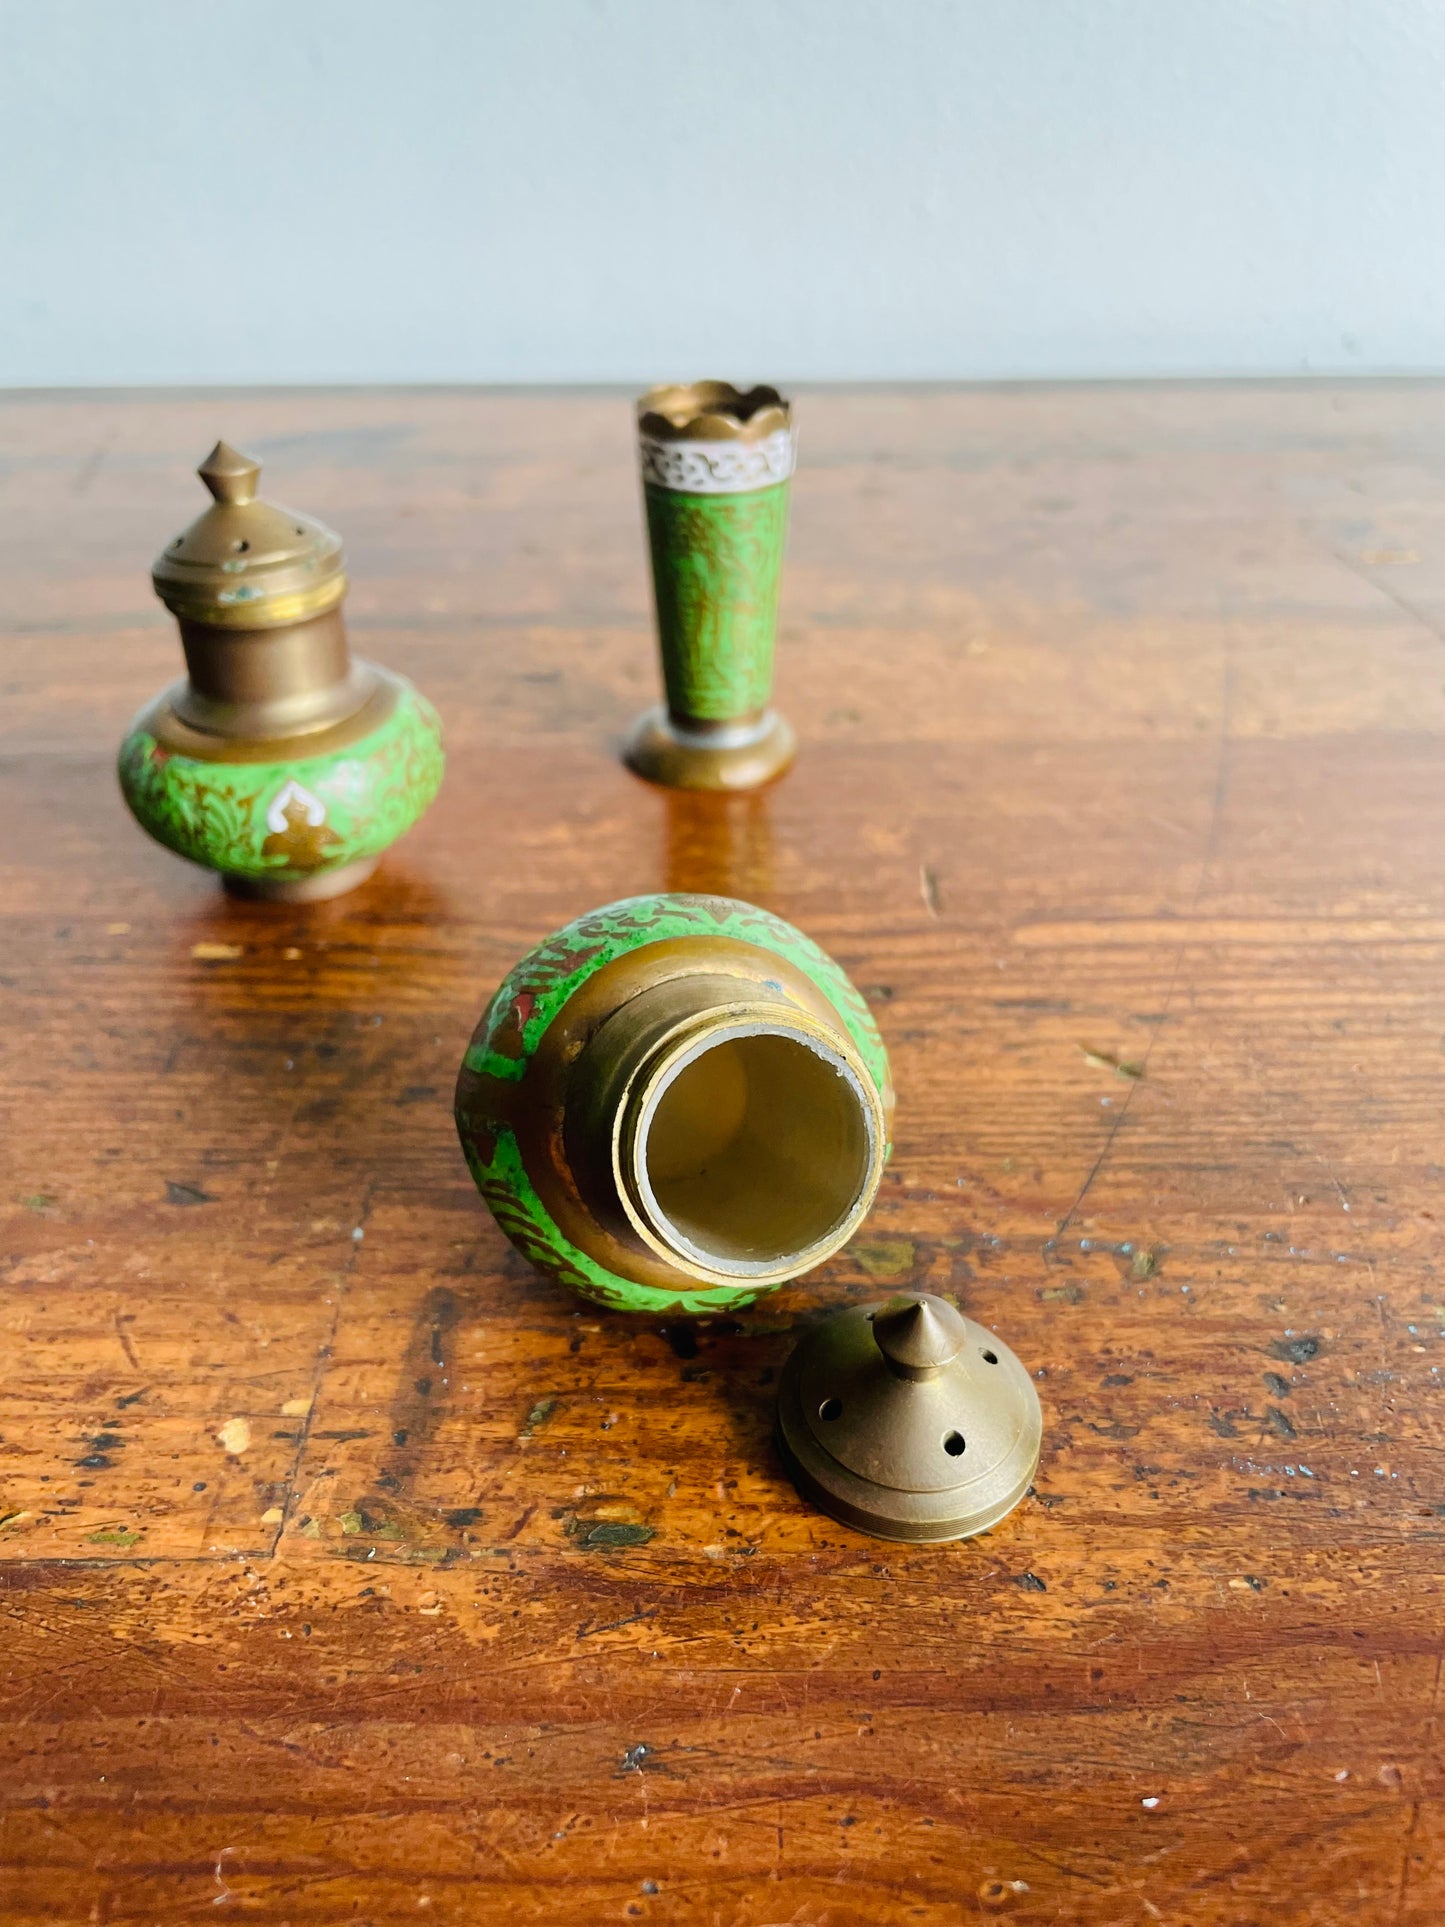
(712, 411)
(245, 564)
(909, 1421)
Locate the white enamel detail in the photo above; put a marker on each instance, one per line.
(293, 792)
(718, 468)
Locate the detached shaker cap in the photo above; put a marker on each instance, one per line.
(245, 564)
(909, 1421)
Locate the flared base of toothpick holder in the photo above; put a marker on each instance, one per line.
(723, 756)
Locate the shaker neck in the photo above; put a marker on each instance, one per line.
(259, 684)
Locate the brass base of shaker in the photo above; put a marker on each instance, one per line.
(316, 889)
(928, 1431)
(727, 758)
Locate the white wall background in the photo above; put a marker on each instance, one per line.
(538, 190)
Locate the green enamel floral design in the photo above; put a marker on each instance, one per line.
(717, 563)
(515, 1021)
(293, 819)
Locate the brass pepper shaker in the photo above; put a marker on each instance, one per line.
(716, 462)
(675, 1103)
(909, 1421)
(278, 760)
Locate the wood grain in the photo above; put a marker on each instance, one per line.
(352, 1572)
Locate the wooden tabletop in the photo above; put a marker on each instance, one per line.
(352, 1572)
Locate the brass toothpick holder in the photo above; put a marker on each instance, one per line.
(279, 760)
(716, 462)
(909, 1421)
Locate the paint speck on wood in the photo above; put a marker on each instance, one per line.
(235, 1435)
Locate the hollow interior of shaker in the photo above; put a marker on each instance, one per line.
(757, 1150)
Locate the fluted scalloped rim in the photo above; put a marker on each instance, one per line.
(712, 411)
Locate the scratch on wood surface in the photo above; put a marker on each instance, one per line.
(90, 467)
(1392, 594)
(1206, 864)
(587, 1630)
(122, 1319)
(323, 1358)
(928, 890)
(1428, 1751)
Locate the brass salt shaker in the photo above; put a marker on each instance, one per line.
(279, 760)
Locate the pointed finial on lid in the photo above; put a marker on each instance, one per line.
(919, 1334)
(229, 475)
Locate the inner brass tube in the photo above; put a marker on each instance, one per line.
(749, 1148)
